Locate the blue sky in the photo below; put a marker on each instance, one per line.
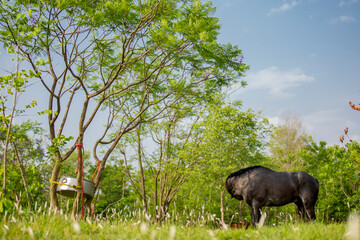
(304, 57)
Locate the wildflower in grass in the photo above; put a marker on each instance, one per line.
(76, 227)
(147, 217)
(137, 223)
(353, 228)
(143, 227)
(212, 235)
(223, 225)
(294, 228)
(172, 232)
(153, 235)
(31, 233)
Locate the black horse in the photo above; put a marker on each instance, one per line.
(260, 186)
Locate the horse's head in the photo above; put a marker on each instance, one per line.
(232, 187)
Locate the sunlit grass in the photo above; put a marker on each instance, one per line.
(59, 228)
(44, 223)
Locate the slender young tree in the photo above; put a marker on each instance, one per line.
(25, 160)
(11, 86)
(157, 172)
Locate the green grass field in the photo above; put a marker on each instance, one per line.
(50, 226)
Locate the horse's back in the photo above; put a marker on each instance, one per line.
(286, 184)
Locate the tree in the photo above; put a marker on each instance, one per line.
(335, 168)
(158, 174)
(226, 140)
(128, 60)
(25, 162)
(286, 143)
(11, 86)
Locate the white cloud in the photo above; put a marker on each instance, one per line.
(329, 124)
(274, 121)
(312, 55)
(320, 121)
(277, 81)
(344, 19)
(325, 125)
(346, 2)
(283, 8)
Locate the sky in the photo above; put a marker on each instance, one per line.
(304, 59)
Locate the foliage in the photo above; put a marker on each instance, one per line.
(115, 192)
(26, 151)
(339, 181)
(287, 141)
(128, 60)
(336, 170)
(157, 176)
(226, 139)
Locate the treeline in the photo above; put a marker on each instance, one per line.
(179, 166)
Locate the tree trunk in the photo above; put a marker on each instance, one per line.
(22, 172)
(156, 195)
(7, 141)
(54, 178)
(4, 167)
(142, 177)
(80, 178)
(222, 206)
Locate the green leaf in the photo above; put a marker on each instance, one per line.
(41, 62)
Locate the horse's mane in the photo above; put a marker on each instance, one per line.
(244, 170)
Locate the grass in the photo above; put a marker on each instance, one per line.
(43, 223)
(61, 227)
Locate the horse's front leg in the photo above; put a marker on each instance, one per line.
(251, 209)
(300, 206)
(255, 211)
(257, 214)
